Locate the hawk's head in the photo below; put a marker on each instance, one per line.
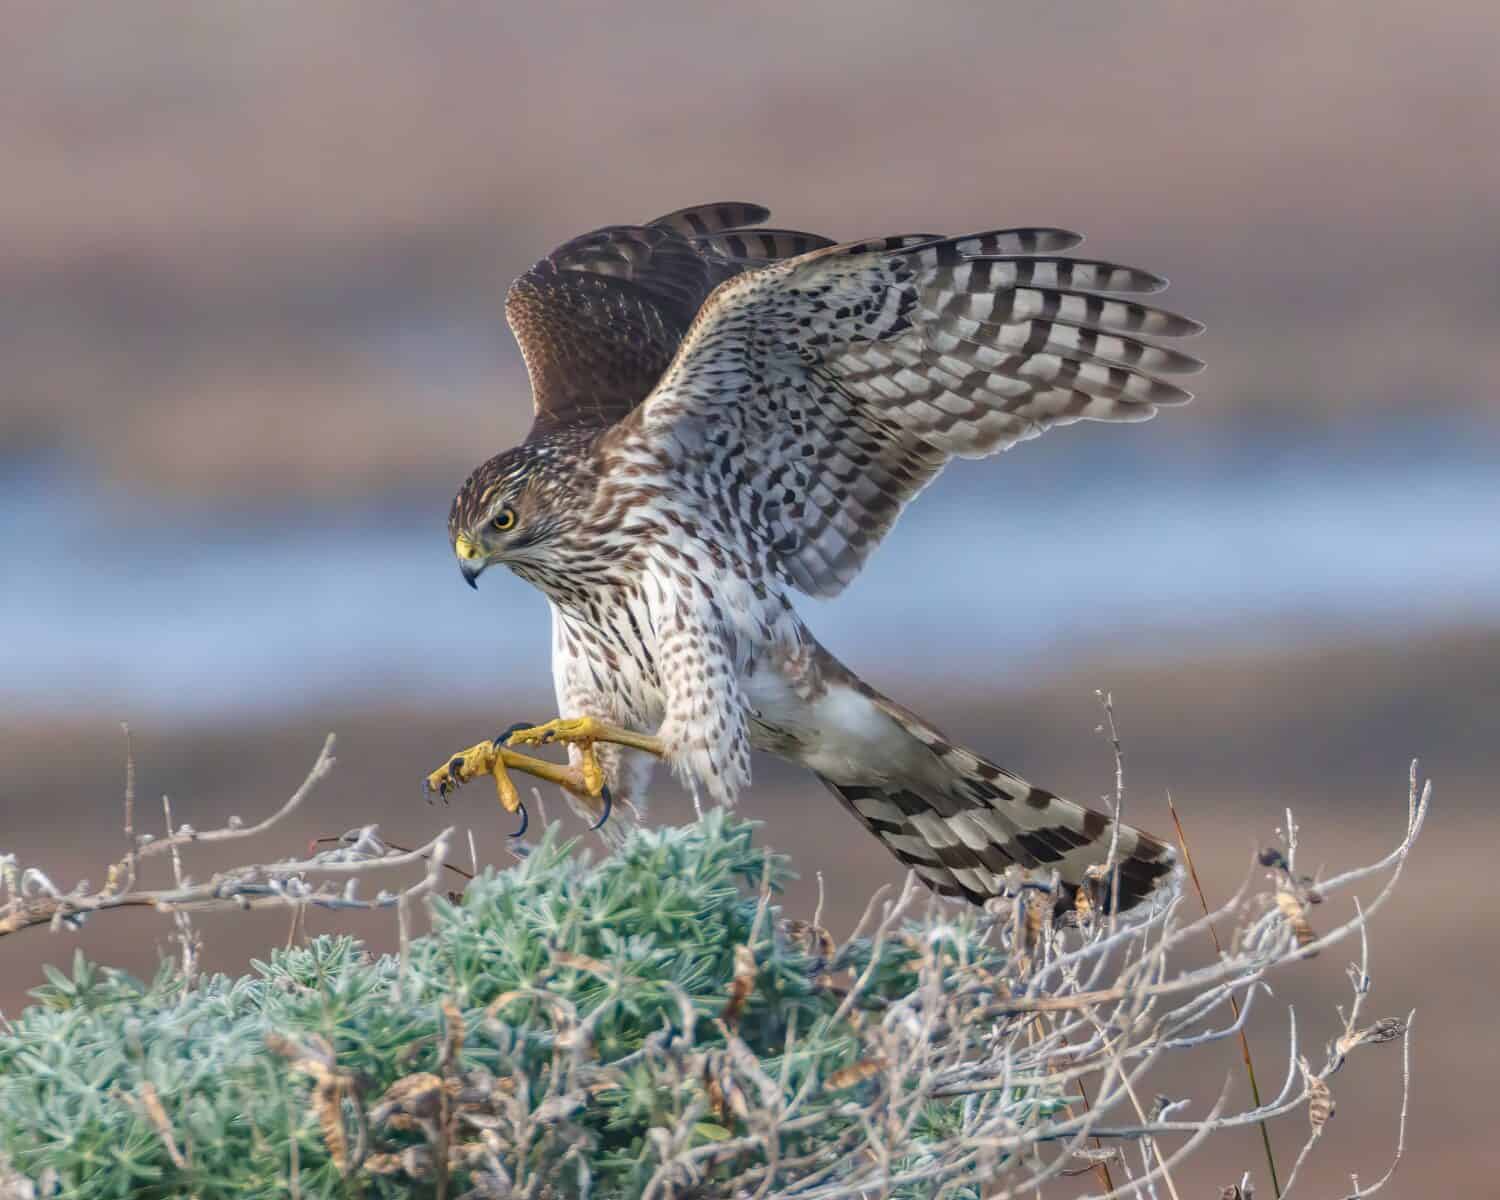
(507, 510)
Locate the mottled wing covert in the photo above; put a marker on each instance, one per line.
(826, 391)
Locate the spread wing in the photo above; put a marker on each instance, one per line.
(599, 319)
(824, 392)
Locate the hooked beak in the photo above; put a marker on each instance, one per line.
(470, 560)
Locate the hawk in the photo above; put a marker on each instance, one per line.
(727, 414)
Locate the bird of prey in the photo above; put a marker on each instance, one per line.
(726, 415)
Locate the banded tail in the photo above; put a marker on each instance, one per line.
(961, 823)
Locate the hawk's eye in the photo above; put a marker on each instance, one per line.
(505, 520)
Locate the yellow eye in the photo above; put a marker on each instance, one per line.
(505, 520)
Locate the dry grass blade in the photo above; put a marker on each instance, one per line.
(740, 986)
(149, 1100)
(1213, 933)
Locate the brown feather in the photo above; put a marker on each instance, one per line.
(600, 318)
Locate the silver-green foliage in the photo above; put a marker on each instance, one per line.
(557, 998)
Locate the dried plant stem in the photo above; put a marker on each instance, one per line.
(1117, 810)
(38, 901)
(336, 839)
(1234, 1004)
(1101, 1169)
(130, 846)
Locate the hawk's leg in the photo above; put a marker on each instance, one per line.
(583, 732)
(495, 757)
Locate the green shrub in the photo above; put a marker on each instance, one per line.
(566, 1009)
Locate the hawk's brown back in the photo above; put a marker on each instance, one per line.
(600, 318)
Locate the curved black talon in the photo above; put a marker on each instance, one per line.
(609, 804)
(525, 820)
(516, 728)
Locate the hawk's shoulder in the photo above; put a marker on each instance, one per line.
(600, 318)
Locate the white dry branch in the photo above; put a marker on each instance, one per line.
(1102, 1003)
(29, 898)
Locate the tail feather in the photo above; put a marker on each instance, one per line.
(966, 826)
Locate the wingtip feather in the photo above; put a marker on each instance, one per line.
(700, 219)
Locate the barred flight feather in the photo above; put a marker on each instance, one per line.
(932, 347)
(974, 830)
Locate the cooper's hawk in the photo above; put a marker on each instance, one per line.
(725, 415)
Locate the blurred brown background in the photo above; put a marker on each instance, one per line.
(251, 262)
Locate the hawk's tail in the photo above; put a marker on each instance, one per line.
(963, 824)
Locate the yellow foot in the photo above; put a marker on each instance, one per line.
(486, 758)
(496, 758)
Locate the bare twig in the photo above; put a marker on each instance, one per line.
(1358, 1193)
(130, 847)
(1117, 809)
(35, 900)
